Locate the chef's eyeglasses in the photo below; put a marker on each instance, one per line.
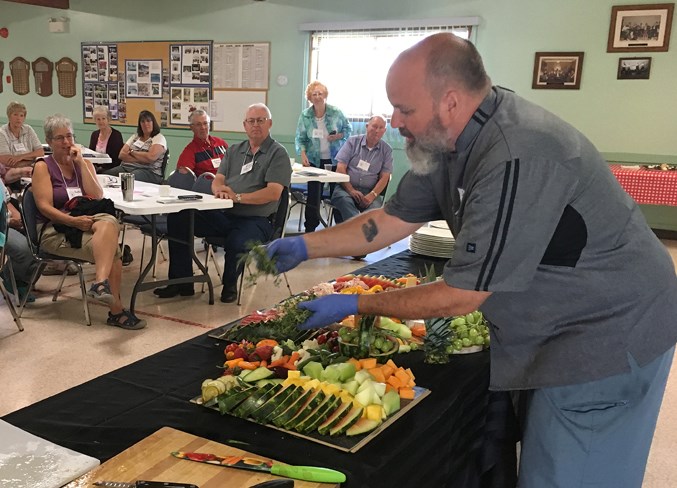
(259, 121)
(63, 138)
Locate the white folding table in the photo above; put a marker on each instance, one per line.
(148, 203)
(304, 174)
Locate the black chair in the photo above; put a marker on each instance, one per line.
(279, 222)
(163, 166)
(277, 219)
(6, 263)
(203, 183)
(29, 211)
(181, 179)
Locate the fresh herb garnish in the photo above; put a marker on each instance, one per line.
(265, 266)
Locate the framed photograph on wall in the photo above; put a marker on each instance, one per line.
(558, 70)
(640, 28)
(634, 68)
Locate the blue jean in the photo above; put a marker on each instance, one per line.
(235, 230)
(18, 251)
(595, 434)
(346, 206)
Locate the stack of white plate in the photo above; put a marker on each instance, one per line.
(435, 240)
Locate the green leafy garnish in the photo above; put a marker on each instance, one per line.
(265, 266)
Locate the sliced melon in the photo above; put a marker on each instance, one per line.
(294, 394)
(320, 410)
(233, 397)
(334, 418)
(346, 422)
(264, 410)
(311, 404)
(391, 402)
(331, 407)
(362, 426)
(293, 409)
(253, 402)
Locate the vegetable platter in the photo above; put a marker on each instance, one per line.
(341, 402)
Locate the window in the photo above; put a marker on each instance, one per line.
(353, 63)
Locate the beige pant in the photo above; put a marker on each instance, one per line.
(54, 242)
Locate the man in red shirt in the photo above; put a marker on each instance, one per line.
(203, 154)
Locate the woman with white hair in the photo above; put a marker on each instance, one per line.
(105, 140)
(57, 179)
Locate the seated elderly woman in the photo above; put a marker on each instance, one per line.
(19, 144)
(105, 140)
(58, 178)
(144, 152)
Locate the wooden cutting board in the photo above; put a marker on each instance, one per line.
(151, 460)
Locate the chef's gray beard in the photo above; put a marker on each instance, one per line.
(423, 161)
(427, 151)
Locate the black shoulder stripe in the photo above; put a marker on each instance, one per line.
(484, 115)
(478, 119)
(501, 224)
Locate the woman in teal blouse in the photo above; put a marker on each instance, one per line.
(321, 131)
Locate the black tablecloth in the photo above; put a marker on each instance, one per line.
(461, 435)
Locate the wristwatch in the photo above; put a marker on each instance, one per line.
(238, 197)
(374, 193)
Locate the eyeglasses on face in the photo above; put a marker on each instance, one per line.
(63, 138)
(200, 124)
(258, 121)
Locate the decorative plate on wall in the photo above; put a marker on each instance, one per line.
(42, 70)
(19, 68)
(66, 69)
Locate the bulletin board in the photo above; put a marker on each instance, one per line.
(129, 77)
(240, 78)
(229, 107)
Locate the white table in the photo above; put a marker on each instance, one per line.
(305, 174)
(95, 157)
(87, 153)
(146, 203)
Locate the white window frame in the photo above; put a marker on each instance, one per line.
(367, 96)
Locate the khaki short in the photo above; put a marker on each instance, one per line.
(54, 242)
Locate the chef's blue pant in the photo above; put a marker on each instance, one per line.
(596, 434)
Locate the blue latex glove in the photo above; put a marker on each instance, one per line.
(288, 252)
(328, 309)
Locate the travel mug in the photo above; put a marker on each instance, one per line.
(127, 184)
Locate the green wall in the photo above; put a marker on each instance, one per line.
(633, 118)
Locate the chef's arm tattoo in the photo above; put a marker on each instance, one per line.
(370, 230)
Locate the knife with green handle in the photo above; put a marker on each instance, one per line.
(304, 473)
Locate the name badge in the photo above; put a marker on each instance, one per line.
(247, 167)
(73, 191)
(19, 147)
(318, 133)
(138, 144)
(363, 165)
(216, 162)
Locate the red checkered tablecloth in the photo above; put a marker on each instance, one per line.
(648, 186)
